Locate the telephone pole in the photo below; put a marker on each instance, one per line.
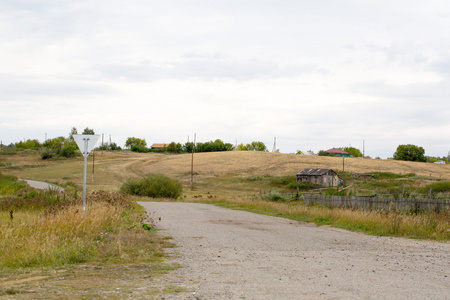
(192, 161)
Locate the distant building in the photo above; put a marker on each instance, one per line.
(337, 152)
(440, 162)
(324, 177)
(159, 146)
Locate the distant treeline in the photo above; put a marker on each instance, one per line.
(140, 145)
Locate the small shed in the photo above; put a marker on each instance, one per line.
(159, 146)
(324, 177)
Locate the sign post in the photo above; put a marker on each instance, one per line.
(86, 143)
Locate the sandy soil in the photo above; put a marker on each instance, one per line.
(227, 254)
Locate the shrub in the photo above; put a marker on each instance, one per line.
(438, 187)
(46, 153)
(273, 196)
(140, 148)
(153, 185)
(59, 146)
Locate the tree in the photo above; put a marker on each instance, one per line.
(59, 146)
(322, 153)
(73, 131)
(241, 147)
(28, 144)
(87, 130)
(410, 153)
(253, 146)
(188, 147)
(133, 141)
(257, 146)
(352, 151)
(174, 148)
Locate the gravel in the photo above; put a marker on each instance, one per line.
(229, 254)
(40, 185)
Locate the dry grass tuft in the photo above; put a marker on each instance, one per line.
(60, 233)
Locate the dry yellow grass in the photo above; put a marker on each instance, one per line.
(423, 226)
(60, 233)
(113, 168)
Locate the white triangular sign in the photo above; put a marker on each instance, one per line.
(86, 142)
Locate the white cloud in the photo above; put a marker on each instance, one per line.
(314, 74)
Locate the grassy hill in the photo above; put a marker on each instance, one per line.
(222, 173)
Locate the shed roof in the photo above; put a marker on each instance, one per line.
(336, 150)
(314, 172)
(159, 145)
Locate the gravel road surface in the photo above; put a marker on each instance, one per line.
(40, 185)
(229, 254)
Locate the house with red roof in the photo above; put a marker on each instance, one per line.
(337, 152)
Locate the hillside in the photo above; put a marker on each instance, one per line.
(113, 168)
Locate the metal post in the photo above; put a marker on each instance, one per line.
(84, 176)
(93, 165)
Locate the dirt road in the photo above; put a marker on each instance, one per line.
(227, 254)
(43, 185)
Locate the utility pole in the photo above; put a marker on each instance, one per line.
(103, 136)
(192, 161)
(274, 144)
(364, 149)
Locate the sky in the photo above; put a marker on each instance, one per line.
(312, 74)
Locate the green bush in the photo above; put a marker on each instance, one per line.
(140, 149)
(438, 187)
(153, 185)
(273, 196)
(59, 146)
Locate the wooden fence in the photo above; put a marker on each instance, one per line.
(378, 203)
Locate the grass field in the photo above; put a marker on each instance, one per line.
(239, 176)
(112, 168)
(61, 252)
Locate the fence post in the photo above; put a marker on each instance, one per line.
(431, 193)
(403, 190)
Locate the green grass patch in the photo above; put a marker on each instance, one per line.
(390, 175)
(438, 187)
(10, 185)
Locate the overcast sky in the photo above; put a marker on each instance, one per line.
(313, 74)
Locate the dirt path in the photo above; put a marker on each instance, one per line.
(227, 254)
(43, 185)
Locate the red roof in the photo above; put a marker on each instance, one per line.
(159, 145)
(336, 151)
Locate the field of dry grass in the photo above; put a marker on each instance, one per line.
(113, 168)
(220, 178)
